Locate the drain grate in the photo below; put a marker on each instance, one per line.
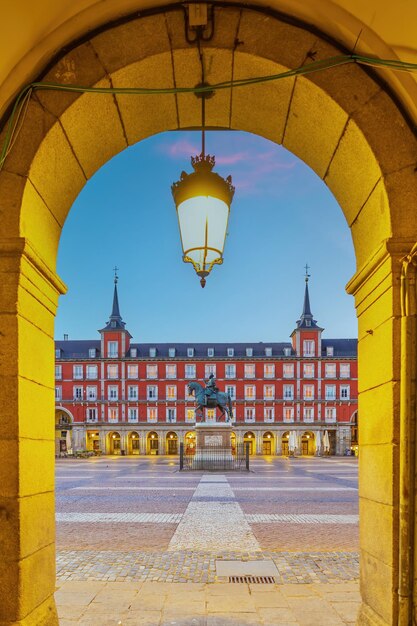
(258, 580)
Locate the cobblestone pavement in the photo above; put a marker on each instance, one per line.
(140, 543)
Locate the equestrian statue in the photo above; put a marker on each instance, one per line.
(211, 398)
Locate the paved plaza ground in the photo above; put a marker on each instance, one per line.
(139, 542)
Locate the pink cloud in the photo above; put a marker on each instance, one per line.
(182, 147)
(231, 159)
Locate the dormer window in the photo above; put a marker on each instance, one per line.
(308, 322)
(329, 351)
(249, 351)
(171, 352)
(133, 352)
(112, 350)
(268, 351)
(287, 351)
(190, 352)
(58, 353)
(152, 352)
(230, 351)
(92, 353)
(210, 351)
(113, 324)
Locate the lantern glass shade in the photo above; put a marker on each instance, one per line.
(203, 226)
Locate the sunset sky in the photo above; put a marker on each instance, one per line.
(282, 217)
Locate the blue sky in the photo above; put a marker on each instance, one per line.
(283, 216)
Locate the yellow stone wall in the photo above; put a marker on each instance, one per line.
(340, 122)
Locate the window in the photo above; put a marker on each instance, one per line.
(77, 393)
(151, 371)
(188, 393)
(132, 414)
(112, 350)
(249, 351)
(171, 392)
(190, 371)
(132, 371)
(113, 393)
(92, 393)
(152, 392)
(268, 351)
(250, 392)
(269, 414)
(288, 392)
(91, 415)
(92, 353)
(58, 353)
(287, 351)
(330, 414)
(288, 370)
(269, 392)
(190, 352)
(171, 414)
(308, 347)
(190, 415)
(152, 352)
(210, 415)
(77, 372)
(152, 414)
(308, 322)
(330, 392)
(288, 414)
(230, 352)
(113, 414)
(112, 371)
(58, 393)
(171, 371)
(58, 372)
(209, 369)
(231, 390)
(308, 414)
(269, 370)
(330, 370)
(329, 351)
(132, 392)
(133, 353)
(210, 351)
(249, 413)
(249, 371)
(345, 370)
(345, 392)
(92, 372)
(308, 369)
(171, 352)
(230, 370)
(308, 392)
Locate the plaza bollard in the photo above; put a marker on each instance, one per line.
(247, 456)
(181, 456)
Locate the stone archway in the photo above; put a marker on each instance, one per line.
(340, 122)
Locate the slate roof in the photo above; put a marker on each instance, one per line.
(78, 349)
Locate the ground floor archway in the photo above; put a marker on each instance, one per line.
(152, 443)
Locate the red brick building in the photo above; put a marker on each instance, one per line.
(118, 397)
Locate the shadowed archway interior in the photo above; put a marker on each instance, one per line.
(341, 122)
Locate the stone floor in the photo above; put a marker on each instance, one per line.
(140, 543)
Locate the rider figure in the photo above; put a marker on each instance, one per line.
(211, 388)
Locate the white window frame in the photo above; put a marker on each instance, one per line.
(91, 372)
(132, 414)
(306, 389)
(230, 352)
(330, 414)
(58, 372)
(152, 353)
(58, 392)
(171, 414)
(308, 414)
(268, 351)
(91, 391)
(58, 353)
(268, 396)
(329, 351)
(249, 414)
(330, 370)
(210, 352)
(92, 353)
(113, 414)
(287, 351)
(91, 414)
(345, 392)
(132, 392)
(112, 350)
(306, 368)
(288, 370)
(330, 392)
(150, 394)
(190, 352)
(152, 414)
(210, 415)
(133, 353)
(247, 373)
(113, 392)
(132, 368)
(269, 370)
(190, 367)
(288, 392)
(77, 372)
(151, 372)
(77, 392)
(111, 368)
(344, 370)
(288, 414)
(250, 392)
(231, 390)
(171, 352)
(209, 368)
(230, 370)
(171, 398)
(189, 415)
(249, 352)
(171, 371)
(309, 347)
(269, 414)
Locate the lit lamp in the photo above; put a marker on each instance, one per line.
(203, 200)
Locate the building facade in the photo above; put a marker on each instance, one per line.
(118, 397)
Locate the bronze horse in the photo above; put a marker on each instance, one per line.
(217, 400)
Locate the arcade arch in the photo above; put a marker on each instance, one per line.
(343, 123)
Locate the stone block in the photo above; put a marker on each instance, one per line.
(9, 468)
(94, 130)
(378, 406)
(376, 522)
(11, 193)
(377, 586)
(36, 466)
(382, 341)
(36, 355)
(401, 187)
(314, 126)
(376, 475)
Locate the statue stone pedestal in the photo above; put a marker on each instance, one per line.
(213, 444)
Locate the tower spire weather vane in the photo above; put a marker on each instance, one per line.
(307, 275)
(115, 270)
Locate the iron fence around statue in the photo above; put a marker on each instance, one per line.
(216, 458)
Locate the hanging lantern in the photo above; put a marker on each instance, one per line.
(203, 200)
